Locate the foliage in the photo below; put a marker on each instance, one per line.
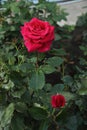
(25, 88)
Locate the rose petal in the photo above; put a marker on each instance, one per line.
(45, 47)
(53, 101)
(32, 47)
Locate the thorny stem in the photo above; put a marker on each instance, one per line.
(37, 54)
(53, 111)
(63, 70)
(55, 122)
(59, 113)
(54, 118)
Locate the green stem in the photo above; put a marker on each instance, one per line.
(55, 122)
(59, 113)
(63, 70)
(37, 55)
(15, 47)
(53, 111)
(55, 116)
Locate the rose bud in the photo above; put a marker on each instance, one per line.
(58, 101)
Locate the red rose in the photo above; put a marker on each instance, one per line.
(58, 101)
(38, 35)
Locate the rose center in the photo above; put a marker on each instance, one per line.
(38, 27)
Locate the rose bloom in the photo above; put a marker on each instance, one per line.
(38, 35)
(58, 101)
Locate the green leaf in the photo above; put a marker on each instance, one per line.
(26, 97)
(11, 60)
(68, 96)
(17, 123)
(44, 125)
(82, 91)
(84, 82)
(18, 93)
(21, 107)
(84, 49)
(7, 115)
(1, 112)
(47, 87)
(38, 113)
(37, 80)
(57, 88)
(57, 37)
(58, 52)
(8, 86)
(67, 80)
(3, 98)
(48, 69)
(14, 7)
(55, 61)
(26, 67)
(6, 128)
(12, 28)
(72, 123)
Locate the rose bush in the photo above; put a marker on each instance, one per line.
(38, 35)
(29, 82)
